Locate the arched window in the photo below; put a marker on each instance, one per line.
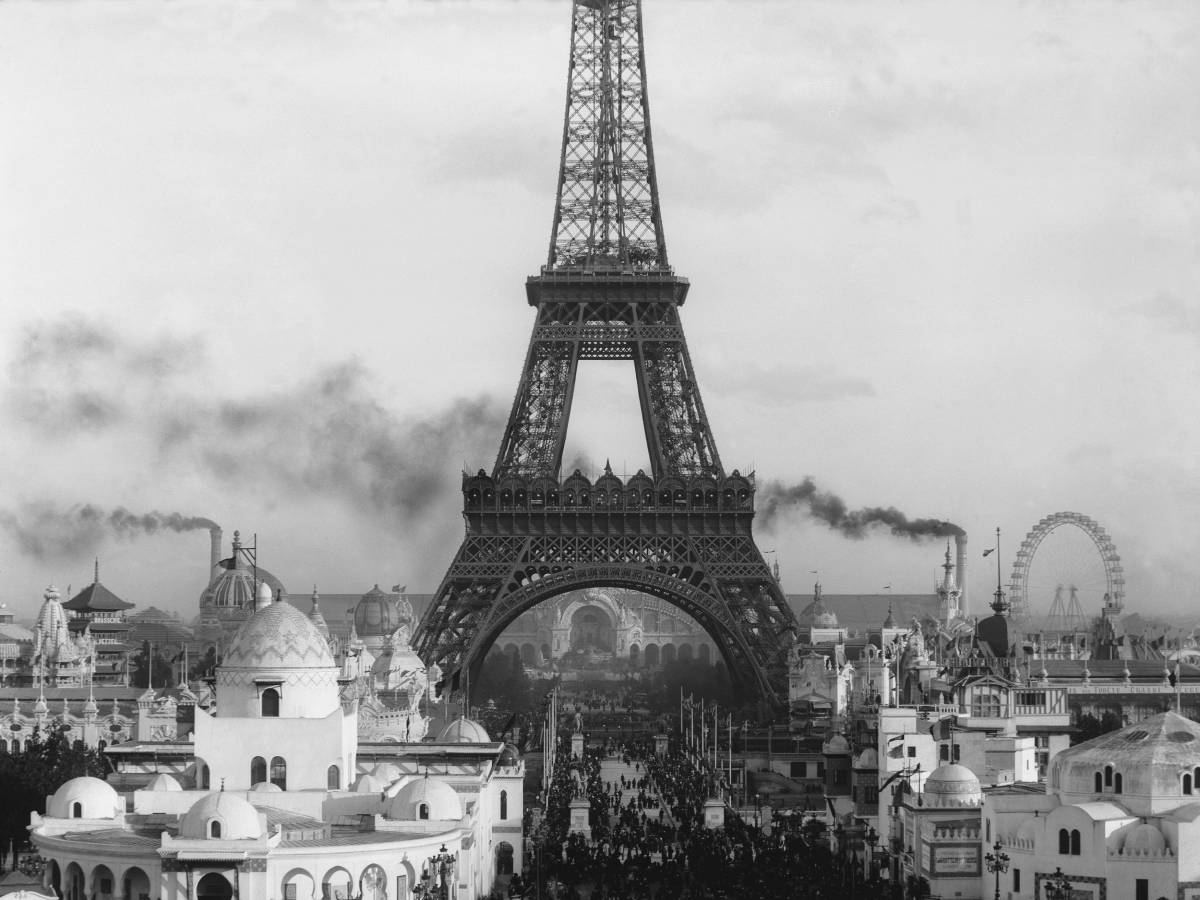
(333, 778)
(270, 703)
(504, 804)
(203, 779)
(1117, 783)
(258, 770)
(1099, 782)
(423, 811)
(76, 810)
(214, 829)
(1187, 783)
(1064, 841)
(1108, 776)
(1074, 841)
(279, 773)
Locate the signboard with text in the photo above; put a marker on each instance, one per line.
(956, 859)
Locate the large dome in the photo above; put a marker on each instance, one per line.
(378, 614)
(1140, 766)
(85, 798)
(234, 585)
(237, 819)
(278, 636)
(953, 785)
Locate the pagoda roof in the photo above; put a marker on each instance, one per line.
(96, 598)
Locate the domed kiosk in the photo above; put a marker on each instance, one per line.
(952, 785)
(85, 798)
(426, 798)
(221, 815)
(464, 731)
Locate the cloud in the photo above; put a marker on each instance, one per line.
(1171, 313)
(785, 385)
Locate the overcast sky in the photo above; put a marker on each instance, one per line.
(263, 263)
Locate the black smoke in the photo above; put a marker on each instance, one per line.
(323, 435)
(44, 530)
(775, 499)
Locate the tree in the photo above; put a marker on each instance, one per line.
(30, 775)
(146, 662)
(1089, 726)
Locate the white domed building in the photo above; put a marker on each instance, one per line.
(281, 801)
(1120, 816)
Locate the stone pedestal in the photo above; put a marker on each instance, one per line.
(580, 824)
(660, 745)
(714, 813)
(577, 745)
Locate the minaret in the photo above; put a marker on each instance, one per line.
(949, 593)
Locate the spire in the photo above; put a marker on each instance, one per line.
(606, 214)
(96, 574)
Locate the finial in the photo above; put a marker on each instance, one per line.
(607, 467)
(96, 573)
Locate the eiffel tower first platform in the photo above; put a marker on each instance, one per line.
(607, 292)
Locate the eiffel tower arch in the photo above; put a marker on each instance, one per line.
(681, 532)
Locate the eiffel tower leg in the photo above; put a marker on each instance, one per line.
(537, 426)
(677, 428)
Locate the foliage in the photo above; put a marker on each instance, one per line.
(699, 679)
(164, 672)
(29, 776)
(205, 666)
(1089, 726)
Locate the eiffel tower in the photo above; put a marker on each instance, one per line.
(682, 532)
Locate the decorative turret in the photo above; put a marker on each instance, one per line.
(949, 593)
(314, 615)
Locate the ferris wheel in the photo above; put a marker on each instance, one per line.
(1066, 563)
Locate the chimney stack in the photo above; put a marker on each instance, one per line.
(215, 533)
(960, 571)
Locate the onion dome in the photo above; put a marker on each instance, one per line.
(1144, 840)
(236, 819)
(464, 731)
(164, 782)
(376, 614)
(278, 636)
(266, 787)
(85, 798)
(441, 801)
(952, 785)
(835, 745)
(234, 585)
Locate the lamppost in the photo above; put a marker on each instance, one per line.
(997, 861)
(443, 865)
(872, 838)
(1058, 887)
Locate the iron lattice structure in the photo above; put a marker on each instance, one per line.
(682, 532)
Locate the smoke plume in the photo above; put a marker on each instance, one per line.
(321, 436)
(776, 499)
(45, 531)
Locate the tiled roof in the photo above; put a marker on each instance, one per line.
(96, 598)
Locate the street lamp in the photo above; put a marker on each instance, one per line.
(443, 865)
(1058, 887)
(997, 861)
(872, 838)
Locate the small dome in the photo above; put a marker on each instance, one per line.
(836, 746)
(510, 756)
(266, 787)
(387, 772)
(234, 584)
(164, 782)
(1144, 840)
(369, 784)
(464, 731)
(440, 799)
(238, 820)
(96, 799)
(953, 785)
(376, 614)
(278, 636)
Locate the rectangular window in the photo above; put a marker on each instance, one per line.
(912, 751)
(839, 776)
(820, 770)
(988, 835)
(289, 892)
(1141, 888)
(1016, 880)
(944, 753)
(957, 753)
(799, 769)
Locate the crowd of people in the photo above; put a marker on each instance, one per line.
(648, 837)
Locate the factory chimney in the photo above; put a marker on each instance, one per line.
(215, 533)
(960, 571)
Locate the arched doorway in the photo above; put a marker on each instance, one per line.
(299, 885)
(336, 885)
(528, 655)
(652, 657)
(136, 883)
(668, 654)
(504, 859)
(214, 886)
(102, 883)
(373, 884)
(73, 882)
(635, 655)
(592, 629)
(685, 653)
